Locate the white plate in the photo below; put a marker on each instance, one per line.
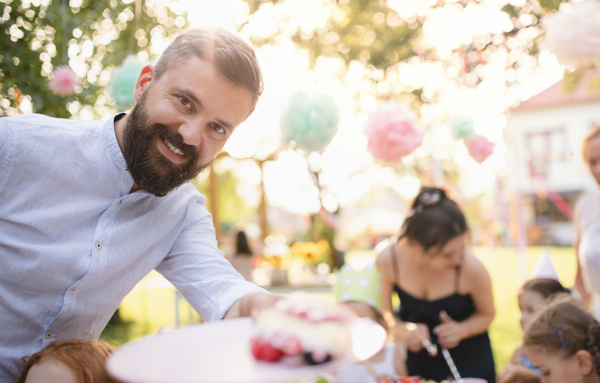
(219, 352)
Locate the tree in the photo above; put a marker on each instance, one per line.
(92, 37)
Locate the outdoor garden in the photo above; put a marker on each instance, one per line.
(364, 103)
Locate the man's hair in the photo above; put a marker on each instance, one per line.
(86, 358)
(231, 56)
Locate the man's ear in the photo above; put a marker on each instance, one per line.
(146, 75)
(585, 362)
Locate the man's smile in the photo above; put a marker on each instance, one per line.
(171, 151)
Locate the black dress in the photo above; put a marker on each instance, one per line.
(473, 356)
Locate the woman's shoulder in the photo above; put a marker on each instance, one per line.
(473, 269)
(383, 258)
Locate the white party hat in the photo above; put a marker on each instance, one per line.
(544, 268)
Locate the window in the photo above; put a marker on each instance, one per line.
(545, 147)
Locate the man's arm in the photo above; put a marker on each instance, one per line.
(244, 306)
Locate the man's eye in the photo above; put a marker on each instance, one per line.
(184, 101)
(218, 128)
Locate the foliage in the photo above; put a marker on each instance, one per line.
(91, 36)
(379, 36)
(232, 209)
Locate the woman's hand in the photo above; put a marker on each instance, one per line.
(516, 373)
(449, 333)
(416, 333)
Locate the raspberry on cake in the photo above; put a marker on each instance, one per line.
(302, 325)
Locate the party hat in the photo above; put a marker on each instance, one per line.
(544, 267)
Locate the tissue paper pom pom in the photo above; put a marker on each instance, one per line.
(462, 127)
(63, 81)
(574, 36)
(480, 148)
(392, 133)
(310, 120)
(123, 80)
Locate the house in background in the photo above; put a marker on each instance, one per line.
(544, 136)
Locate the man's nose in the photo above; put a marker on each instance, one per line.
(191, 131)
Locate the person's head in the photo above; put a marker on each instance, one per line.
(241, 244)
(563, 341)
(591, 152)
(70, 361)
(438, 226)
(533, 294)
(203, 86)
(364, 310)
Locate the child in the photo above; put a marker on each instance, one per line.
(69, 361)
(563, 341)
(532, 297)
(386, 364)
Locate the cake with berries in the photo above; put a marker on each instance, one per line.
(303, 326)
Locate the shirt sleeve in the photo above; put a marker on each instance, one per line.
(5, 151)
(198, 270)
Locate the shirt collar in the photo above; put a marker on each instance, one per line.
(110, 141)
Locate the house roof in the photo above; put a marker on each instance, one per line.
(555, 95)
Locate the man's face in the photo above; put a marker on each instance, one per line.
(181, 121)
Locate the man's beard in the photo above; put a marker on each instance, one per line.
(150, 169)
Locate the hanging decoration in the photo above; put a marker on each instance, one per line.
(392, 133)
(573, 33)
(122, 81)
(310, 120)
(479, 147)
(462, 127)
(63, 81)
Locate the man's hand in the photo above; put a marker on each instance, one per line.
(250, 302)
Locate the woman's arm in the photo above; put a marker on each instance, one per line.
(384, 265)
(579, 286)
(412, 333)
(479, 285)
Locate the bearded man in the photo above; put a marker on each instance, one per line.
(87, 209)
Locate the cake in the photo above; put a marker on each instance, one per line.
(302, 326)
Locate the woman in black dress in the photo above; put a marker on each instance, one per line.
(445, 291)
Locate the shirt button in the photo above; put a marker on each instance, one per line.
(121, 200)
(127, 169)
(48, 334)
(98, 245)
(73, 289)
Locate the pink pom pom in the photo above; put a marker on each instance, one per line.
(392, 133)
(63, 81)
(480, 148)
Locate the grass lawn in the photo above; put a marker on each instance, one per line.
(154, 303)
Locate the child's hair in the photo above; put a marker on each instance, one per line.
(564, 327)
(546, 287)
(593, 133)
(86, 358)
(374, 314)
(435, 219)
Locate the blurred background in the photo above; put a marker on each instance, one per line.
(494, 96)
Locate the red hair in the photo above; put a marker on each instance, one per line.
(85, 358)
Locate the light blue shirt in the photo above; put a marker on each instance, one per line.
(74, 241)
